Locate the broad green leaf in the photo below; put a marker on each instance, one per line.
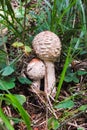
(8, 70)
(81, 72)
(75, 79)
(68, 79)
(6, 84)
(27, 49)
(5, 120)
(21, 98)
(53, 124)
(83, 52)
(83, 108)
(65, 104)
(17, 44)
(71, 77)
(80, 128)
(24, 80)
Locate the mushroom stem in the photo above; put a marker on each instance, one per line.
(36, 84)
(50, 79)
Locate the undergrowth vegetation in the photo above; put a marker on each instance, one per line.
(20, 21)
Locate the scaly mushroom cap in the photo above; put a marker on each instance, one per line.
(47, 45)
(36, 69)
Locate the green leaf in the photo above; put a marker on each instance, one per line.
(68, 79)
(25, 116)
(81, 72)
(75, 79)
(65, 104)
(24, 80)
(6, 84)
(8, 70)
(53, 124)
(83, 108)
(21, 98)
(19, 13)
(17, 44)
(80, 128)
(16, 120)
(27, 49)
(5, 120)
(71, 77)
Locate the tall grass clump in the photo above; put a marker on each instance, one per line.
(69, 22)
(12, 100)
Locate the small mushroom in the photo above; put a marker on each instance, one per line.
(47, 46)
(36, 72)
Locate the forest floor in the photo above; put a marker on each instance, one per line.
(40, 109)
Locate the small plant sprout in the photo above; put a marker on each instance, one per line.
(47, 46)
(36, 72)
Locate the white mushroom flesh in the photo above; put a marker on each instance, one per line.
(50, 80)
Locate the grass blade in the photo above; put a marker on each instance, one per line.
(23, 113)
(63, 73)
(5, 120)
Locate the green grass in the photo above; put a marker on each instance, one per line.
(62, 77)
(6, 121)
(23, 113)
(12, 100)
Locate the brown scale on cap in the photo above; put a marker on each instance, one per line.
(47, 45)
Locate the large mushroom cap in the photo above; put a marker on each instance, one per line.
(36, 69)
(47, 45)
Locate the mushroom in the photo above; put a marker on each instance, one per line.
(36, 72)
(47, 46)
